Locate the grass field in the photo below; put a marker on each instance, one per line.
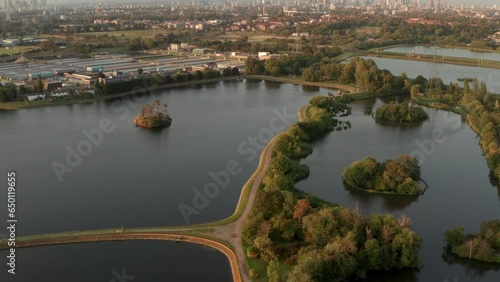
(125, 34)
(17, 50)
(368, 30)
(235, 35)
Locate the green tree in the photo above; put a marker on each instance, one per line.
(140, 71)
(415, 89)
(39, 84)
(197, 75)
(254, 66)
(455, 237)
(466, 86)
(235, 71)
(273, 271)
(310, 74)
(226, 72)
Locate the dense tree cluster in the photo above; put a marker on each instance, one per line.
(481, 109)
(151, 116)
(148, 82)
(8, 92)
(284, 65)
(399, 176)
(364, 74)
(483, 246)
(400, 113)
(319, 241)
(361, 33)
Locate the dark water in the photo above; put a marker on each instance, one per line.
(137, 177)
(459, 194)
(135, 261)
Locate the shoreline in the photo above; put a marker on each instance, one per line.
(336, 86)
(220, 239)
(479, 50)
(199, 240)
(351, 89)
(9, 106)
(373, 191)
(397, 123)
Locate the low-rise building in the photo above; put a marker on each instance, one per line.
(35, 97)
(51, 85)
(175, 47)
(200, 51)
(59, 93)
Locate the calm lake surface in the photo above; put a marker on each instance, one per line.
(459, 194)
(448, 73)
(441, 51)
(112, 261)
(136, 177)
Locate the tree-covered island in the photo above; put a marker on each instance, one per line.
(153, 117)
(400, 176)
(400, 114)
(484, 246)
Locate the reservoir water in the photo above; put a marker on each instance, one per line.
(136, 177)
(459, 193)
(442, 51)
(120, 261)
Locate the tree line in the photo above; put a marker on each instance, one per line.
(401, 114)
(362, 73)
(399, 176)
(481, 109)
(483, 246)
(318, 241)
(157, 79)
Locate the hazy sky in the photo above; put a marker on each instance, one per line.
(473, 2)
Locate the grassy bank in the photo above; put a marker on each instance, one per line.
(300, 81)
(436, 103)
(381, 49)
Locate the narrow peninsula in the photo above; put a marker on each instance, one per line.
(484, 246)
(153, 117)
(401, 114)
(400, 176)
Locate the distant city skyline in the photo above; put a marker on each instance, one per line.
(423, 2)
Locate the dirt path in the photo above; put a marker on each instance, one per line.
(232, 232)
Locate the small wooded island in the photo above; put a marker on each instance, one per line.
(484, 246)
(153, 117)
(403, 114)
(400, 176)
